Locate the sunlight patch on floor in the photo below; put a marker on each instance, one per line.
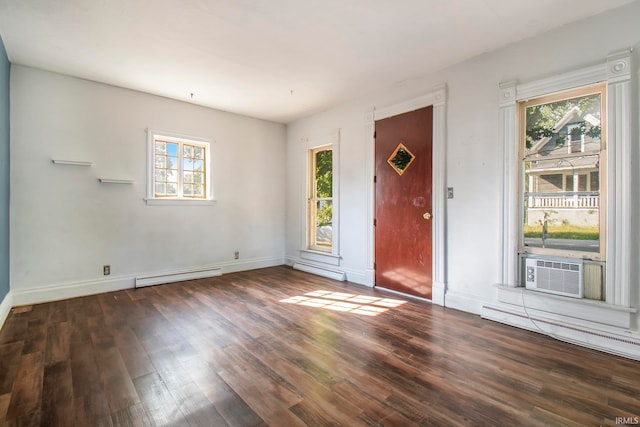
(341, 301)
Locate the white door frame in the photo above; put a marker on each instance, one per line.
(438, 99)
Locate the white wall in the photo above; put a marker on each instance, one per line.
(66, 225)
(473, 153)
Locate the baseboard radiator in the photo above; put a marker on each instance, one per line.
(320, 271)
(178, 276)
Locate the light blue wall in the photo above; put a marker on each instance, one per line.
(4, 172)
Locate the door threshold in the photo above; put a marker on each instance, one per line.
(423, 299)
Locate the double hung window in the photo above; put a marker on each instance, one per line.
(563, 152)
(320, 200)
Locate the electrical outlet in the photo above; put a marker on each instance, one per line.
(449, 192)
(236, 255)
(106, 270)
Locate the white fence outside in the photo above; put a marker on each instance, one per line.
(564, 201)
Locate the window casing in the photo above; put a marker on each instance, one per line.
(619, 181)
(179, 168)
(320, 212)
(562, 152)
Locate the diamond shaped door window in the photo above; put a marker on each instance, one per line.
(401, 158)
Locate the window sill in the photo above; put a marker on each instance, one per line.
(584, 309)
(318, 256)
(179, 202)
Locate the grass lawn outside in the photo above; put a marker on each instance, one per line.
(564, 232)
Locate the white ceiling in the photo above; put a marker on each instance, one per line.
(272, 59)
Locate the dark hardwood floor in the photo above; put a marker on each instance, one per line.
(280, 347)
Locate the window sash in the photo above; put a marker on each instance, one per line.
(172, 147)
(313, 200)
(183, 180)
(570, 188)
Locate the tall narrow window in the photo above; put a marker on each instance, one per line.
(320, 207)
(563, 149)
(179, 168)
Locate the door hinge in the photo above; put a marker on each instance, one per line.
(374, 133)
(374, 222)
(375, 178)
(374, 265)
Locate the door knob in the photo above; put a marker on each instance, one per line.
(426, 215)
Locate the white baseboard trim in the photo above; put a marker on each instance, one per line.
(438, 293)
(624, 343)
(361, 277)
(71, 290)
(464, 302)
(98, 286)
(318, 270)
(584, 311)
(251, 264)
(5, 308)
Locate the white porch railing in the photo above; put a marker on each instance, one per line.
(564, 200)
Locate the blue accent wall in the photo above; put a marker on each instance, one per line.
(4, 171)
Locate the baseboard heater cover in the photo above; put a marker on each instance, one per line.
(321, 271)
(178, 276)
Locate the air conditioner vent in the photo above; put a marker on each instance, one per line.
(556, 276)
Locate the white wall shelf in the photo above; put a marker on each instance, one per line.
(115, 181)
(71, 162)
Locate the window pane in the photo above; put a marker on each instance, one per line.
(161, 175)
(172, 175)
(172, 149)
(559, 219)
(551, 128)
(188, 177)
(324, 226)
(160, 188)
(172, 163)
(188, 150)
(198, 152)
(161, 147)
(568, 182)
(198, 178)
(188, 189)
(561, 154)
(324, 173)
(198, 190)
(172, 189)
(161, 161)
(595, 181)
(582, 182)
(187, 164)
(198, 165)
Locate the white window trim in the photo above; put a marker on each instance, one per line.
(151, 199)
(616, 72)
(306, 252)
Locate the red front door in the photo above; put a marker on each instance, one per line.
(403, 225)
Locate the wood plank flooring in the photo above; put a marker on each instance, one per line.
(280, 347)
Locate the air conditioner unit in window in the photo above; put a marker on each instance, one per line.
(558, 276)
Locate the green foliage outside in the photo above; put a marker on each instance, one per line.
(541, 119)
(324, 186)
(564, 231)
